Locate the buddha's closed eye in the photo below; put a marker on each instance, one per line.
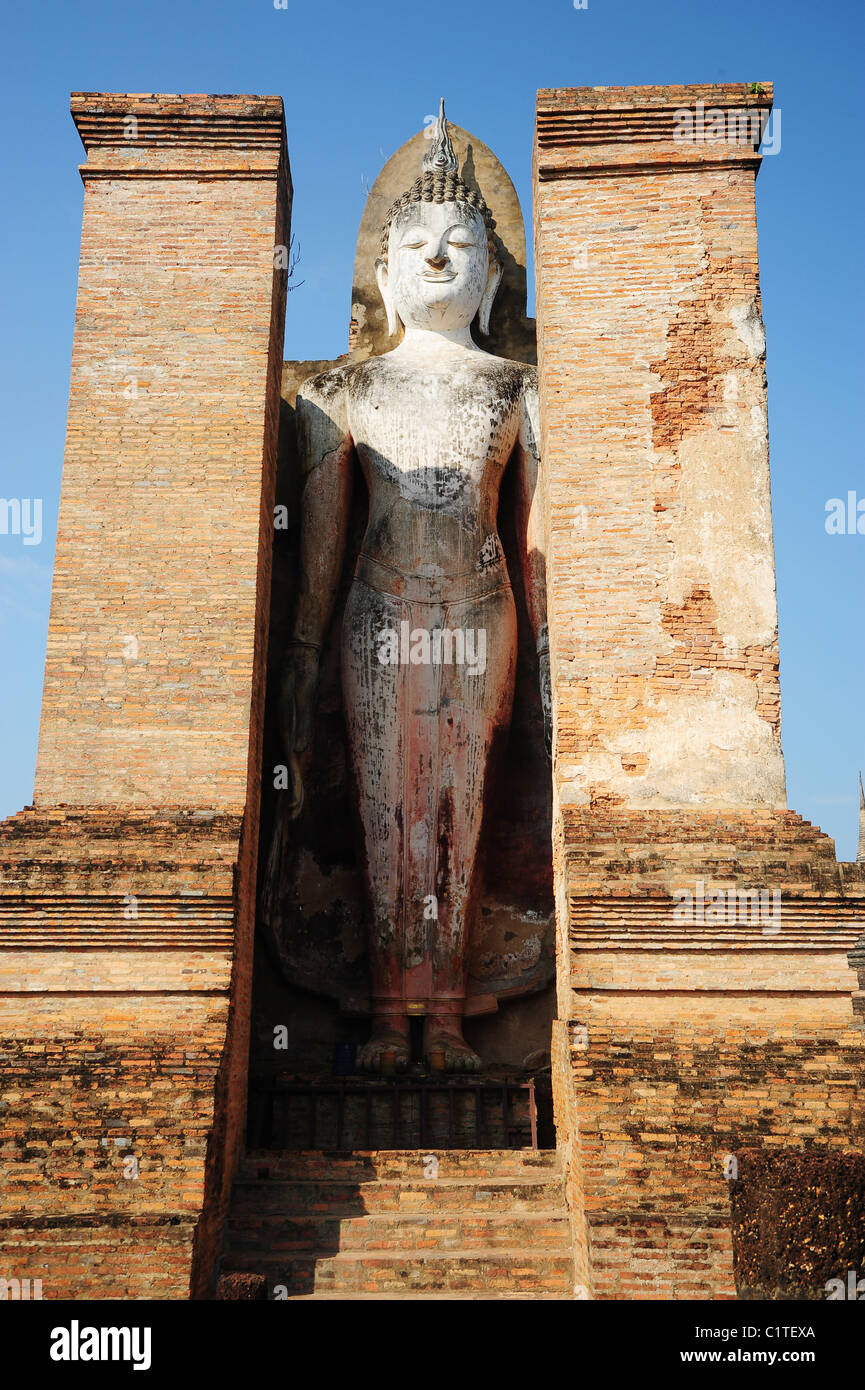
(415, 241)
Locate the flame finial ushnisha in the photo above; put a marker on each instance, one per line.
(440, 157)
(439, 182)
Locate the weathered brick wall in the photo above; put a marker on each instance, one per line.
(663, 1101)
(685, 1037)
(127, 897)
(90, 1085)
(651, 358)
(83, 1258)
(681, 1039)
(161, 580)
(117, 937)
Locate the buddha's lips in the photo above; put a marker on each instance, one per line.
(437, 275)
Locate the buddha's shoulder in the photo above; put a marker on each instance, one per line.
(478, 363)
(510, 363)
(514, 381)
(522, 373)
(327, 387)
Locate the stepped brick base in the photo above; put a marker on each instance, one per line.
(482, 1224)
(121, 1070)
(689, 1032)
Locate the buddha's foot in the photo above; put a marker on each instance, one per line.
(386, 1037)
(448, 1038)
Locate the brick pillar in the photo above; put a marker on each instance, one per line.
(127, 894)
(154, 671)
(706, 1002)
(653, 390)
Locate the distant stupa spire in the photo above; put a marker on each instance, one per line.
(860, 857)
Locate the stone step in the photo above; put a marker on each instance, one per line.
(477, 1271)
(414, 1295)
(396, 1164)
(391, 1223)
(399, 1232)
(347, 1199)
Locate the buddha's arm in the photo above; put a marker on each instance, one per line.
(326, 458)
(530, 531)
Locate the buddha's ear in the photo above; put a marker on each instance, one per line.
(384, 289)
(494, 279)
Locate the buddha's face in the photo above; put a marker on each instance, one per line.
(438, 268)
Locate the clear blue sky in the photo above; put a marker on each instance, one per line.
(357, 80)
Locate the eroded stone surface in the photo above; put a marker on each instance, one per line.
(432, 424)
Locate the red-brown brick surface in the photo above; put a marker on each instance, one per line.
(687, 1036)
(162, 573)
(660, 568)
(482, 1224)
(681, 1038)
(118, 934)
(127, 896)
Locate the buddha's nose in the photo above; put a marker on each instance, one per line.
(437, 262)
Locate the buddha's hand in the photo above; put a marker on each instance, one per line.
(297, 698)
(546, 698)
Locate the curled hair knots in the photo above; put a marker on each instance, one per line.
(440, 186)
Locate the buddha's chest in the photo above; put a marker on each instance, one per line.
(432, 435)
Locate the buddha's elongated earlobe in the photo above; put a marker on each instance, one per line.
(494, 279)
(384, 289)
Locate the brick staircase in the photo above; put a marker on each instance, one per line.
(486, 1224)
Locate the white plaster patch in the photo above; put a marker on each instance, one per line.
(723, 538)
(713, 750)
(573, 794)
(748, 324)
(419, 839)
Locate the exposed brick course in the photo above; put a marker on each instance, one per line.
(164, 535)
(486, 1224)
(681, 1039)
(660, 568)
(118, 938)
(127, 895)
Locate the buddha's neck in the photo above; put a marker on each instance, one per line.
(429, 342)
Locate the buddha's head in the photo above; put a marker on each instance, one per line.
(438, 266)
